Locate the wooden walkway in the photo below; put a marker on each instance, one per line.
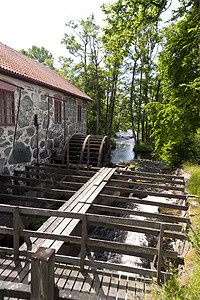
(74, 284)
(88, 198)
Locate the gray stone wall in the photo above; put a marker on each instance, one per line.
(18, 144)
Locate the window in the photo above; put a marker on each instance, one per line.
(7, 108)
(79, 108)
(58, 109)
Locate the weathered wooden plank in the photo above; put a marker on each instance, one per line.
(148, 179)
(62, 171)
(123, 183)
(88, 281)
(109, 188)
(159, 175)
(114, 282)
(60, 184)
(128, 249)
(50, 191)
(16, 290)
(63, 177)
(6, 197)
(132, 222)
(96, 284)
(165, 217)
(105, 284)
(111, 198)
(122, 287)
(65, 276)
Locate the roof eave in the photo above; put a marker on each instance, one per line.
(27, 79)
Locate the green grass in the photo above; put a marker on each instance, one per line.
(193, 186)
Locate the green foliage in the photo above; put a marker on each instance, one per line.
(40, 54)
(175, 121)
(142, 148)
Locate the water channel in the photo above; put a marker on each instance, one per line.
(124, 153)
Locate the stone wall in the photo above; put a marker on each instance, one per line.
(18, 143)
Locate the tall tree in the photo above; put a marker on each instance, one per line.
(176, 119)
(41, 55)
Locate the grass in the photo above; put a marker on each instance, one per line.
(187, 285)
(193, 186)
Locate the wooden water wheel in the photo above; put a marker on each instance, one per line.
(92, 150)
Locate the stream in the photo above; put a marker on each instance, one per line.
(124, 152)
(124, 147)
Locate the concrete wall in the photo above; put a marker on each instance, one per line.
(18, 143)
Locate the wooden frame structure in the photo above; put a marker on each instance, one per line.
(87, 197)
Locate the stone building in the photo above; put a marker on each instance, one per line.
(39, 111)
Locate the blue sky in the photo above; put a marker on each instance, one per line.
(25, 23)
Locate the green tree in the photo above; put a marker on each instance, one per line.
(176, 120)
(40, 54)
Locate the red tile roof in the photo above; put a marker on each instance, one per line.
(18, 65)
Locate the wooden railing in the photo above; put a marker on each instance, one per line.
(86, 243)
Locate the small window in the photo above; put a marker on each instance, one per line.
(79, 113)
(7, 108)
(58, 110)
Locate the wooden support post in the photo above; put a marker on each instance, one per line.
(42, 274)
(16, 221)
(160, 252)
(67, 150)
(88, 154)
(83, 241)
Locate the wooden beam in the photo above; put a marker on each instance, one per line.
(155, 175)
(123, 183)
(148, 179)
(163, 217)
(143, 192)
(160, 252)
(112, 198)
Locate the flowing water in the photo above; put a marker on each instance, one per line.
(124, 152)
(124, 147)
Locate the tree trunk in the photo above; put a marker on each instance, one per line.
(132, 99)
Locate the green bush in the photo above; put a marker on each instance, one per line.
(142, 148)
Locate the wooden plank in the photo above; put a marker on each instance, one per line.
(51, 191)
(18, 290)
(122, 287)
(128, 249)
(132, 222)
(159, 175)
(63, 176)
(59, 171)
(123, 183)
(110, 198)
(160, 252)
(59, 184)
(65, 276)
(165, 217)
(51, 223)
(105, 284)
(143, 192)
(89, 277)
(148, 179)
(7, 197)
(114, 282)
(96, 284)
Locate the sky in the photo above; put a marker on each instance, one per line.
(25, 23)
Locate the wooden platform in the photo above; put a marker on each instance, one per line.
(95, 198)
(74, 284)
